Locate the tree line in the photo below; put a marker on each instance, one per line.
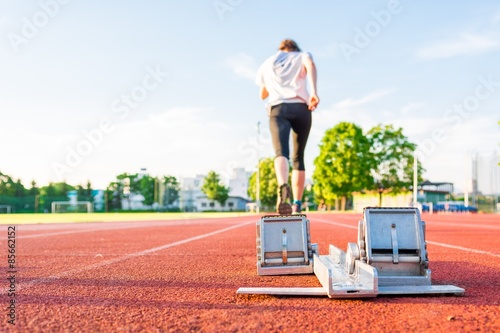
(151, 188)
(39, 199)
(379, 160)
(350, 160)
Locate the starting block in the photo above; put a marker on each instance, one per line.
(284, 245)
(389, 257)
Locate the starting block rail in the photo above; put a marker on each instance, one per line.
(389, 257)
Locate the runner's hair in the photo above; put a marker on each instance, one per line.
(289, 45)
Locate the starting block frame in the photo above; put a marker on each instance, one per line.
(389, 257)
(284, 245)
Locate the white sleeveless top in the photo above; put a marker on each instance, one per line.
(284, 77)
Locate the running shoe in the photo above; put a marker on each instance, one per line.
(283, 206)
(297, 207)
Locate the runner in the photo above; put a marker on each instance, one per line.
(283, 81)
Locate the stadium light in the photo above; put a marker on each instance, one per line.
(257, 195)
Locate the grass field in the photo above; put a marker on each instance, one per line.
(107, 217)
(122, 217)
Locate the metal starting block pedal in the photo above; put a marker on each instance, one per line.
(284, 245)
(390, 257)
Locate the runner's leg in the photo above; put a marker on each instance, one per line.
(301, 126)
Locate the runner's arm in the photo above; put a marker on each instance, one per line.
(312, 77)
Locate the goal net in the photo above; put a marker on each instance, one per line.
(71, 207)
(5, 209)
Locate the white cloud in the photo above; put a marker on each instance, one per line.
(411, 107)
(350, 103)
(184, 132)
(31, 152)
(326, 51)
(466, 44)
(445, 159)
(179, 142)
(349, 110)
(496, 17)
(242, 65)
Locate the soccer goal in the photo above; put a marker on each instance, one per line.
(5, 209)
(71, 207)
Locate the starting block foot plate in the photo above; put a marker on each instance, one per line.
(394, 290)
(284, 245)
(420, 290)
(284, 291)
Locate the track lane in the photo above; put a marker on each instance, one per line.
(125, 257)
(192, 287)
(438, 233)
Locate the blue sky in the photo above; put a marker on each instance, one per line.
(90, 89)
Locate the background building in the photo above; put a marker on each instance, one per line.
(192, 198)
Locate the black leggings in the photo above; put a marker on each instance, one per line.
(294, 116)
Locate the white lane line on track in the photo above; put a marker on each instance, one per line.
(464, 249)
(111, 227)
(123, 258)
(460, 225)
(337, 224)
(433, 223)
(429, 242)
(60, 233)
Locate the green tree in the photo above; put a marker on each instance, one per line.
(128, 184)
(214, 189)
(48, 190)
(344, 164)
(308, 198)
(114, 196)
(125, 185)
(147, 187)
(60, 189)
(85, 193)
(34, 190)
(54, 192)
(9, 187)
(19, 189)
(172, 188)
(14, 194)
(268, 183)
(394, 157)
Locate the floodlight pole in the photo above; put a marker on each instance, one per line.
(494, 179)
(466, 185)
(415, 178)
(257, 195)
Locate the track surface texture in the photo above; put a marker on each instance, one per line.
(182, 276)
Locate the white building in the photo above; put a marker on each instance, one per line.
(239, 182)
(189, 192)
(134, 201)
(192, 198)
(232, 204)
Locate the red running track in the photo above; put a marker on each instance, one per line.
(182, 276)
